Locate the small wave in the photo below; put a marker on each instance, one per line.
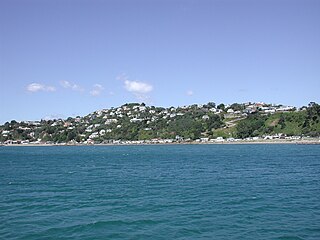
(290, 238)
(122, 222)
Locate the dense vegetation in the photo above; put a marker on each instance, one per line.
(296, 123)
(140, 122)
(130, 123)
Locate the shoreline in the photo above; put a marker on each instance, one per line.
(298, 142)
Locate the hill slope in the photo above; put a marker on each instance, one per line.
(135, 122)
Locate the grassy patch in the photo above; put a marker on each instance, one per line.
(224, 132)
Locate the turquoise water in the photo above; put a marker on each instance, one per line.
(160, 192)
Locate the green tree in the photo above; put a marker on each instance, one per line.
(237, 107)
(211, 104)
(282, 121)
(71, 135)
(250, 126)
(221, 106)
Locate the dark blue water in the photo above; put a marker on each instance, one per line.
(160, 192)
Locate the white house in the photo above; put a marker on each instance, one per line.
(205, 117)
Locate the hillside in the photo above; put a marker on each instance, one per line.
(138, 122)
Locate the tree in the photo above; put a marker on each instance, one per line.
(215, 122)
(7, 126)
(282, 121)
(221, 106)
(313, 111)
(78, 138)
(71, 135)
(251, 126)
(237, 107)
(311, 125)
(13, 122)
(211, 104)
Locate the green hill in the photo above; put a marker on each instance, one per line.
(138, 122)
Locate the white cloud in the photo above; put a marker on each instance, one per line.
(189, 92)
(137, 87)
(69, 85)
(97, 89)
(36, 87)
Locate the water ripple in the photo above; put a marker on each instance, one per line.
(160, 192)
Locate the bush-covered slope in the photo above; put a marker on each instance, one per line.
(140, 122)
(289, 123)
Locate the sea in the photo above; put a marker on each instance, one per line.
(245, 191)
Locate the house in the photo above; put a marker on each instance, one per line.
(142, 108)
(178, 138)
(205, 117)
(218, 111)
(94, 135)
(111, 120)
(204, 139)
(285, 108)
(219, 139)
(67, 124)
(136, 120)
(89, 141)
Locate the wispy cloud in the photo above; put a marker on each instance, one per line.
(37, 87)
(54, 116)
(122, 77)
(189, 92)
(242, 90)
(70, 85)
(97, 89)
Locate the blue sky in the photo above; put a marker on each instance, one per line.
(65, 58)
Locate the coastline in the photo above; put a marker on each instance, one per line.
(242, 142)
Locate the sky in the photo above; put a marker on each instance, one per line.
(62, 58)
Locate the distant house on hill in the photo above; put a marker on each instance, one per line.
(205, 117)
